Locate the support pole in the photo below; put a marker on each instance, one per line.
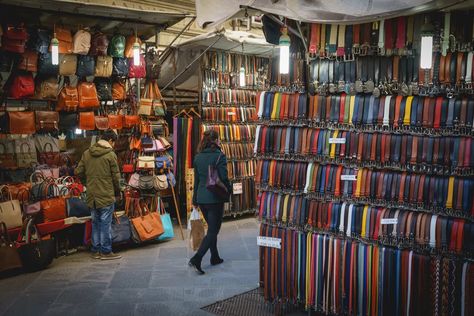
(177, 212)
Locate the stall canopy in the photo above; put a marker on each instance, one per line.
(106, 15)
(225, 40)
(211, 13)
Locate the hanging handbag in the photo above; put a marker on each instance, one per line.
(146, 162)
(165, 220)
(163, 162)
(67, 65)
(138, 71)
(101, 123)
(39, 41)
(85, 66)
(117, 46)
(118, 91)
(87, 95)
(10, 211)
(120, 229)
(9, 257)
(86, 121)
(128, 166)
(214, 182)
(147, 142)
(46, 141)
(145, 107)
(147, 225)
(152, 61)
(99, 44)
(131, 40)
(7, 155)
(160, 182)
(146, 182)
(135, 143)
(104, 89)
(14, 39)
(29, 61)
(22, 122)
(130, 121)
(103, 66)
(67, 122)
(25, 153)
(156, 147)
(77, 207)
(47, 121)
(134, 180)
(22, 86)
(68, 99)
(49, 156)
(64, 37)
(115, 121)
(45, 65)
(35, 253)
(48, 89)
(165, 143)
(120, 67)
(81, 42)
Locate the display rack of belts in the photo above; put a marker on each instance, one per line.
(230, 84)
(368, 191)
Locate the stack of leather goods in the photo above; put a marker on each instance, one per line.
(367, 178)
(229, 114)
(241, 169)
(237, 151)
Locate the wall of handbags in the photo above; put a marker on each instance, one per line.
(366, 180)
(228, 106)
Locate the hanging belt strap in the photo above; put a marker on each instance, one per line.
(469, 63)
(401, 32)
(315, 38)
(445, 41)
(341, 41)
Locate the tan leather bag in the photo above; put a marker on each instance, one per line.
(67, 65)
(68, 99)
(29, 61)
(81, 42)
(10, 213)
(118, 91)
(48, 89)
(87, 95)
(104, 66)
(129, 45)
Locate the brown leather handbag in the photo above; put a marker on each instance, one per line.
(67, 65)
(99, 44)
(104, 66)
(87, 96)
(53, 209)
(68, 99)
(86, 121)
(48, 156)
(29, 61)
(22, 122)
(115, 121)
(130, 121)
(48, 89)
(9, 257)
(118, 91)
(131, 39)
(64, 37)
(47, 121)
(7, 155)
(101, 123)
(147, 224)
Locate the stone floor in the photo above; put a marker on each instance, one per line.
(149, 280)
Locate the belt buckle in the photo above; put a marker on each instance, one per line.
(349, 57)
(414, 88)
(359, 86)
(394, 87)
(356, 49)
(332, 88)
(369, 86)
(341, 86)
(381, 51)
(364, 50)
(404, 89)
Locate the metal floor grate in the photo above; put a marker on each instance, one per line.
(251, 303)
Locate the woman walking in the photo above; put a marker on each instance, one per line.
(212, 205)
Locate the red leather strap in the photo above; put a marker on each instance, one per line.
(437, 112)
(389, 34)
(315, 38)
(342, 108)
(401, 32)
(459, 74)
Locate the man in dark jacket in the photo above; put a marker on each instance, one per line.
(99, 171)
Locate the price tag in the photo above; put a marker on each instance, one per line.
(348, 177)
(269, 242)
(389, 221)
(337, 140)
(231, 113)
(237, 188)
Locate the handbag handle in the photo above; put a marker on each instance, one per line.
(4, 147)
(50, 145)
(39, 175)
(21, 148)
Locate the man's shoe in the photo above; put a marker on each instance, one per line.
(95, 255)
(196, 265)
(110, 256)
(216, 261)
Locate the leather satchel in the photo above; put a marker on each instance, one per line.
(115, 121)
(81, 42)
(14, 39)
(48, 89)
(77, 207)
(160, 182)
(49, 157)
(137, 71)
(146, 162)
(86, 121)
(22, 86)
(117, 46)
(53, 209)
(47, 121)
(152, 61)
(104, 66)
(7, 155)
(131, 39)
(67, 65)
(25, 153)
(35, 253)
(214, 182)
(99, 44)
(130, 121)
(146, 182)
(118, 91)
(147, 225)
(121, 230)
(120, 67)
(68, 99)
(45, 65)
(102, 123)
(29, 61)
(87, 96)
(9, 257)
(10, 213)
(85, 66)
(22, 122)
(64, 37)
(145, 107)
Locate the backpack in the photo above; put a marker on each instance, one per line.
(85, 66)
(117, 46)
(81, 42)
(99, 44)
(40, 40)
(45, 65)
(120, 67)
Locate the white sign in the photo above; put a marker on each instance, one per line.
(389, 221)
(348, 177)
(269, 242)
(337, 140)
(237, 188)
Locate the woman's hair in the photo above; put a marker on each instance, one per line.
(209, 140)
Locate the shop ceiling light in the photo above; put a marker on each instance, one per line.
(242, 77)
(426, 56)
(136, 54)
(284, 44)
(55, 50)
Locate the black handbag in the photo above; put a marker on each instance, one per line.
(153, 66)
(45, 65)
(39, 41)
(120, 67)
(77, 207)
(85, 66)
(67, 121)
(121, 230)
(214, 182)
(104, 89)
(36, 254)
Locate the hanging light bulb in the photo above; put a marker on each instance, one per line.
(136, 50)
(242, 77)
(284, 44)
(78, 131)
(426, 55)
(55, 50)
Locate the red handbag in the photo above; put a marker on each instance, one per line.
(115, 121)
(14, 39)
(137, 71)
(22, 86)
(53, 209)
(130, 121)
(87, 121)
(22, 122)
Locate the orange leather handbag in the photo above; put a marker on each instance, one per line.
(130, 121)
(68, 99)
(88, 96)
(53, 209)
(86, 121)
(118, 91)
(115, 121)
(64, 37)
(22, 122)
(101, 123)
(131, 39)
(148, 224)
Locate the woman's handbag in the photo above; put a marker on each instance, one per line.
(7, 155)
(146, 182)
(67, 65)
(87, 121)
(137, 71)
(101, 123)
(25, 153)
(160, 182)
(22, 122)
(35, 253)
(22, 86)
(77, 207)
(134, 180)
(9, 257)
(68, 99)
(104, 66)
(120, 67)
(148, 224)
(163, 162)
(10, 211)
(115, 121)
(130, 121)
(85, 66)
(121, 230)
(146, 162)
(47, 121)
(87, 95)
(214, 182)
(48, 89)
(165, 220)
